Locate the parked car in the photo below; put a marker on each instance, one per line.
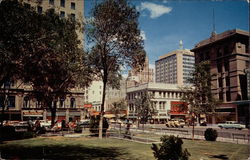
(178, 123)
(231, 124)
(84, 124)
(21, 126)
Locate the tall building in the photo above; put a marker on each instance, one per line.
(174, 67)
(115, 95)
(146, 75)
(23, 106)
(64, 8)
(228, 53)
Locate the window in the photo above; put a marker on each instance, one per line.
(26, 102)
(62, 3)
(219, 67)
(73, 5)
(72, 102)
(62, 14)
(51, 2)
(61, 102)
(227, 81)
(73, 16)
(228, 95)
(221, 96)
(39, 9)
(11, 101)
(226, 66)
(220, 82)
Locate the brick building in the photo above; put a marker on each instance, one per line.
(228, 53)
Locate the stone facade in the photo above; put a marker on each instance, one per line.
(163, 95)
(229, 56)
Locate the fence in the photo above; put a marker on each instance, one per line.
(154, 134)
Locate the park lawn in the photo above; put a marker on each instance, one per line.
(107, 148)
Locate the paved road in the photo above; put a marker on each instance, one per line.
(199, 130)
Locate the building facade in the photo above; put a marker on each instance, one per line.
(174, 67)
(228, 53)
(115, 95)
(146, 75)
(165, 98)
(64, 8)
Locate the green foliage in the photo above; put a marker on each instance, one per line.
(115, 42)
(199, 96)
(145, 108)
(42, 49)
(170, 149)
(9, 133)
(210, 134)
(117, 107)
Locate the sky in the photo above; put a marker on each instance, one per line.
(163, 23)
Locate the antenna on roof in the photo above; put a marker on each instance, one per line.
(181, 44)
(213, 32)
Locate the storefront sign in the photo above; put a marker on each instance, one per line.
(87, 105)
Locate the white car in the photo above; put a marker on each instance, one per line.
(231, 124)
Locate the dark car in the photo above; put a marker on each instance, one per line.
(84, 124)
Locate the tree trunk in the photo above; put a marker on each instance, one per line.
(102, 107)
(5, 103)
(53, 113)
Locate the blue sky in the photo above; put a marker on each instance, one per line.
(165, 22)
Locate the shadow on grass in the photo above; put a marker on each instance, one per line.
(60, 152)
(220, 156)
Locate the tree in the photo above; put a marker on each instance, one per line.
(59, 64)
(144, 107)
(16, 34)
(170, 149)
(117, 107)
(49, 54)
(115, 39)
(199, 97)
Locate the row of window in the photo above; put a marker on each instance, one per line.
(62, 13)
(163, 94)
(62, 4)
(61, 103)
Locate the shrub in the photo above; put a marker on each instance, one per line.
(170, 149)
(9, 133)
(78, 129)
(210, 134)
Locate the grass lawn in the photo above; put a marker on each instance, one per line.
(93, 148)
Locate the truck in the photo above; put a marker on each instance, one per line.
(231, 124)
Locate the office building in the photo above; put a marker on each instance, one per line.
(174, 67)
(228, 53)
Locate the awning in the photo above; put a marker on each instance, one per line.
(32, 115)
(109, 115)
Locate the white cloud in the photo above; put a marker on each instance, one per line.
(155, 9)
(143, 35)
